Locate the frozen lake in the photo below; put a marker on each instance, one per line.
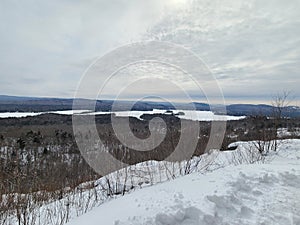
(183, 114)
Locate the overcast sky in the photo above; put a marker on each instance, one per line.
(252, 47)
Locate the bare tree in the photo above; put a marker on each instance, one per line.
(267, 128)
(280, 105)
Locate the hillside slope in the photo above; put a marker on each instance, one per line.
(245, 194)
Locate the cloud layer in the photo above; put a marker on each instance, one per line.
(252, 47)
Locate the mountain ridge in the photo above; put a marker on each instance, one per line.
(41, 104)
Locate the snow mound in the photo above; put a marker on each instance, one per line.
(189, 215)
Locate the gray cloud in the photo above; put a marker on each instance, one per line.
(252, 47)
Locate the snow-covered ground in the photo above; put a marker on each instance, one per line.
(188, 114)
(233, 187)
(228, 190)
(284, 132)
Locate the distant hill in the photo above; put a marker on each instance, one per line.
(15, 98)
(266, 110)
(34, 104)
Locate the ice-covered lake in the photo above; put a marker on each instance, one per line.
(183, 114)
(25, 114)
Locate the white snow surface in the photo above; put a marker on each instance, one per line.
(228, 191)
(284, 132)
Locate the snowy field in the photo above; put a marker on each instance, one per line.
(188, 114)
(228, 191)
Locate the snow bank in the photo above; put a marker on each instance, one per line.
(243, 194)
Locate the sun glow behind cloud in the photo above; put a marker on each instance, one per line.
(178, 3)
